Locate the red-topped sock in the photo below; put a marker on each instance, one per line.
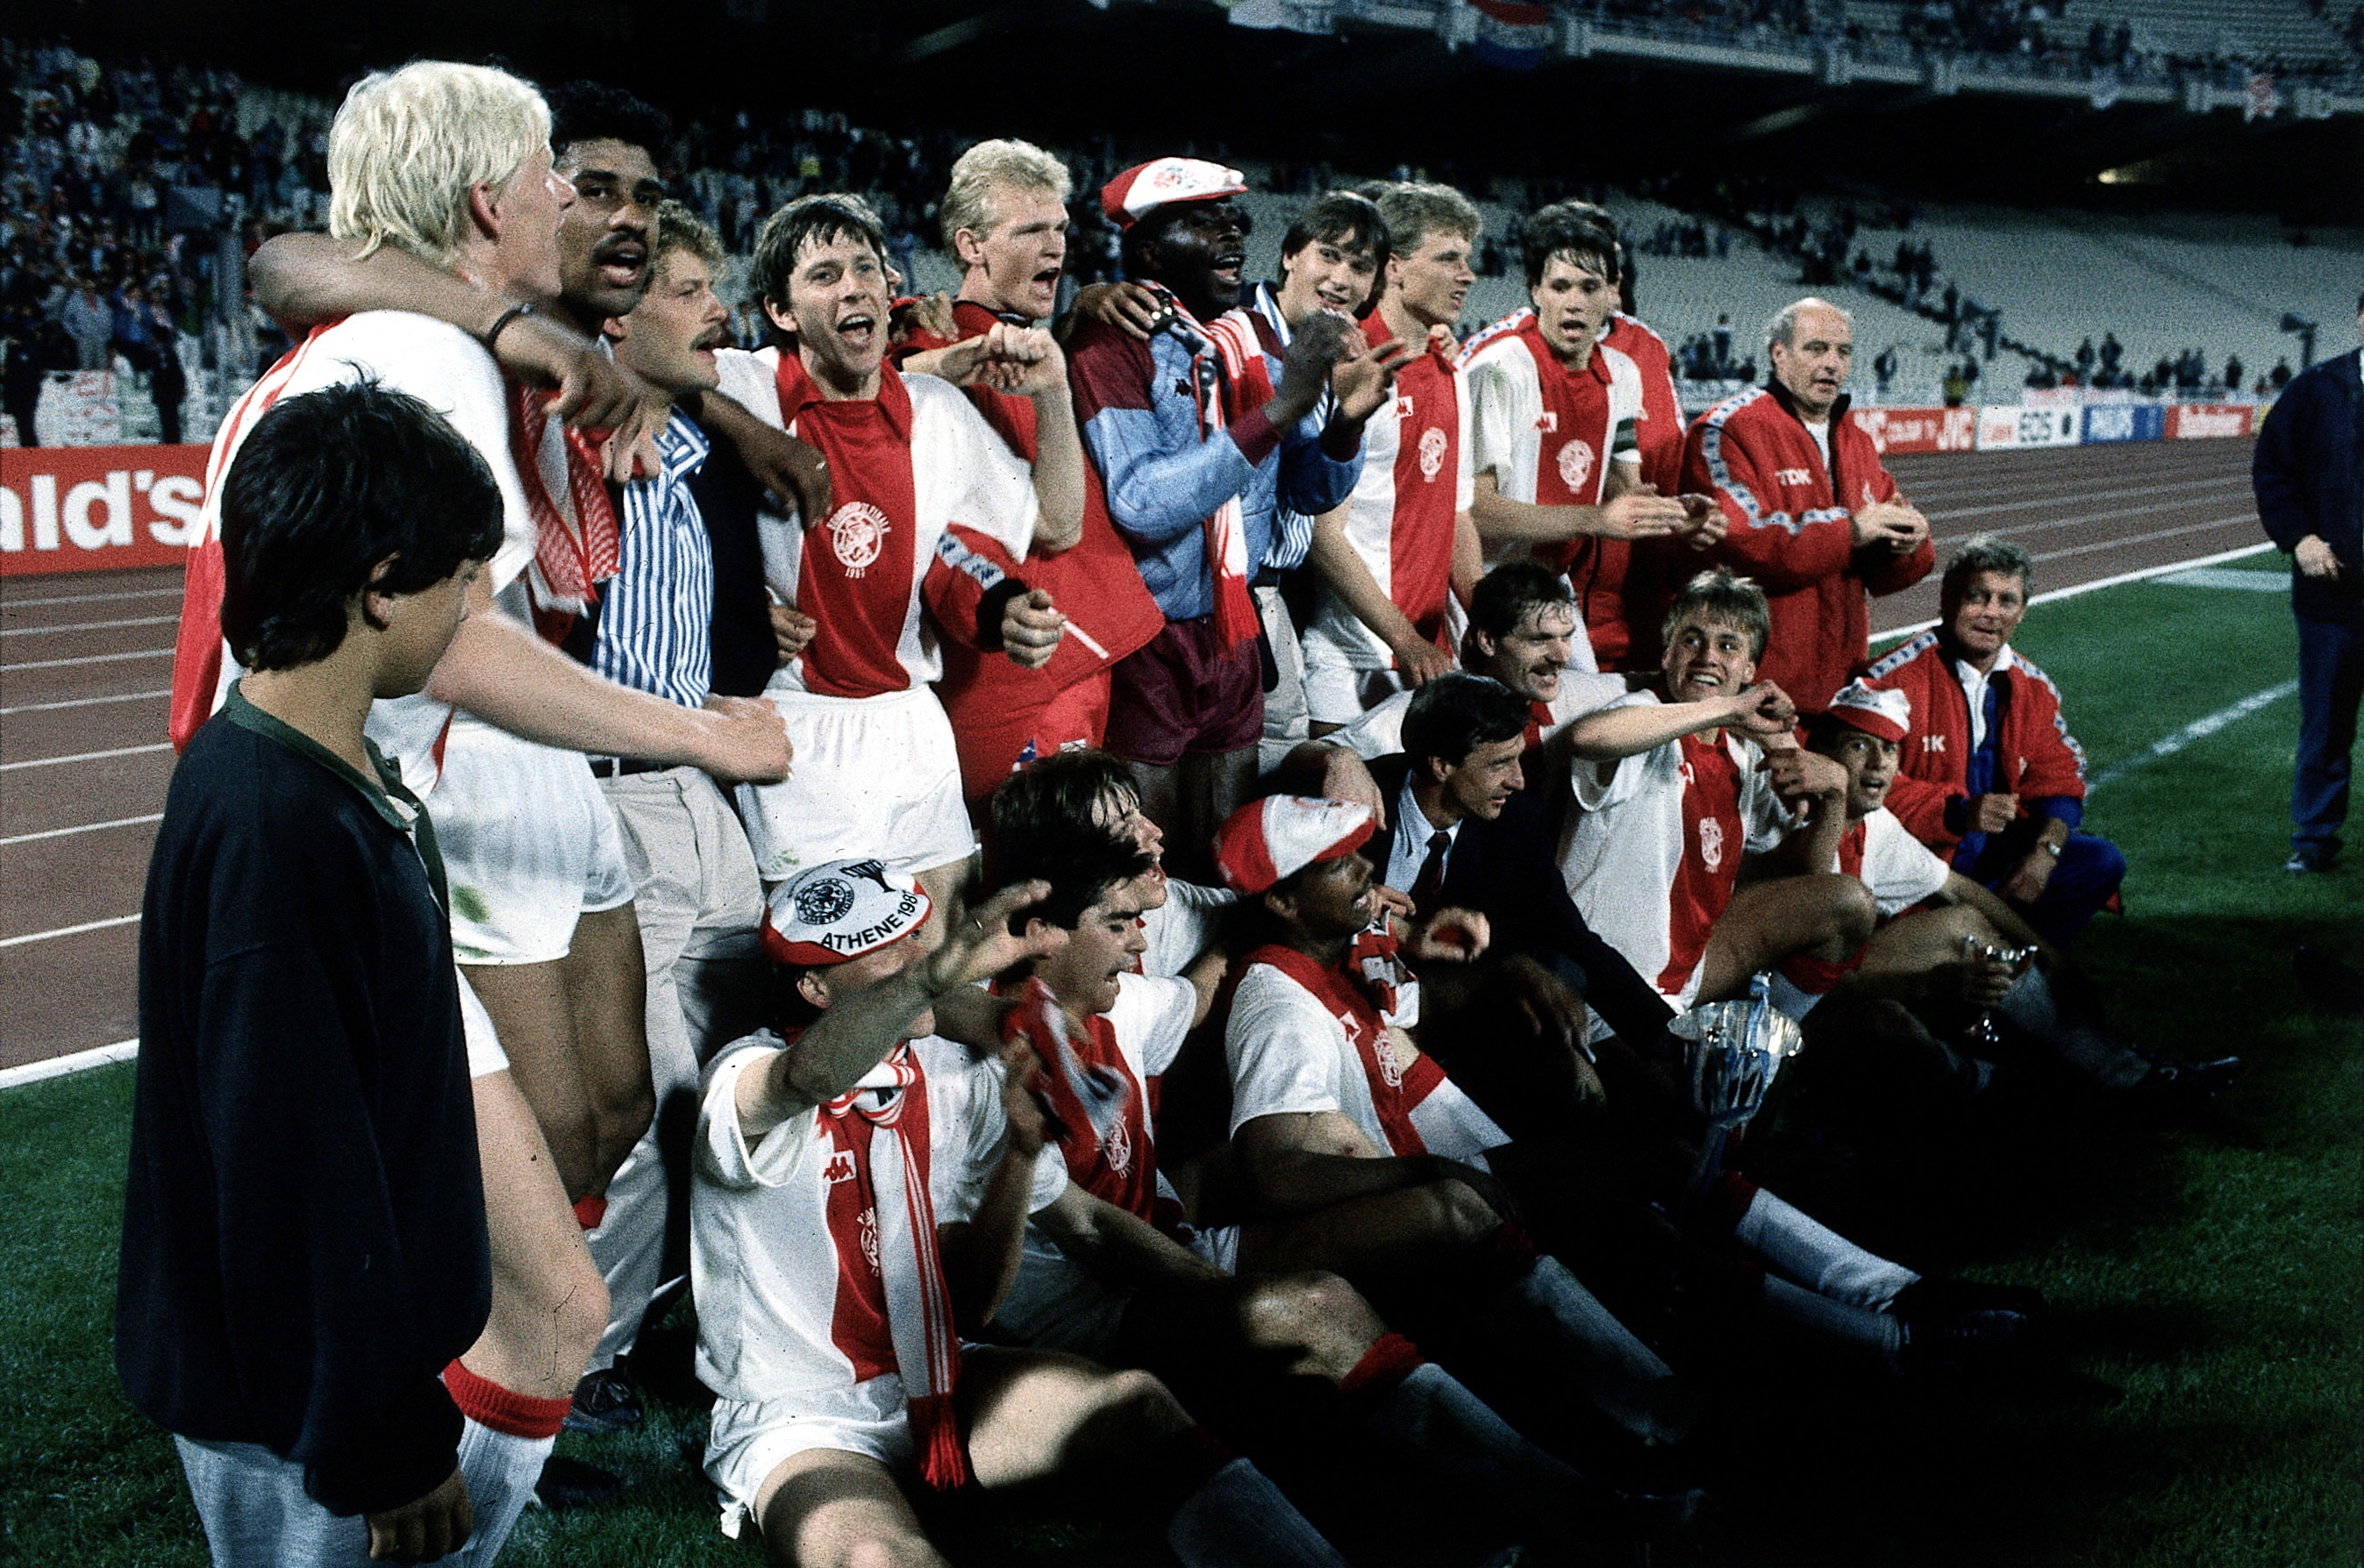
(589, 1211)
(502, 1447)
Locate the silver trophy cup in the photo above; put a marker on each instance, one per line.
(1733, 1050)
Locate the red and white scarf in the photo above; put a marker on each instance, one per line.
(890, 1172)
(1228, 378)
(570, 560)
(1102, 1109)
(1359, 993)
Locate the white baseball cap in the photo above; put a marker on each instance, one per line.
(840, 911)
(1271, 839)
(1143, 188)
(1875, 710)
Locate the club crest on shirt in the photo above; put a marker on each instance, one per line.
(1117, 1149)
(1432, 453)
(1710, 843)
(870, 1240)
(857, 532)
(1576, 464)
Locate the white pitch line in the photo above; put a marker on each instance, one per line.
(69, 930)
(81, 702)
(2138, 575)
(2198, 729)
(85, 827)
(59, 1066)
(90, 659)
(7, 604)
(85, 756)
(86, 626)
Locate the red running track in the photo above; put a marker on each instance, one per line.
(86, 661)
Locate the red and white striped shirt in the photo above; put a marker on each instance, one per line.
(1653, 858)
(907, 468)
(1417, 477)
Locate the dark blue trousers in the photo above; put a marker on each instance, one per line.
(2090, 870)
(2330, 686)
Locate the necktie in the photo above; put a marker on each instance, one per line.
(1430, 883)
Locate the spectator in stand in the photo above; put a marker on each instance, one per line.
(89, 322)
(1815, 519)
(2308, 496)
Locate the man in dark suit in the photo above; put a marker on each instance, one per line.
(2309, 478)
(1463, 832)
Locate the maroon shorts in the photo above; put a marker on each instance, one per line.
(1184, 693)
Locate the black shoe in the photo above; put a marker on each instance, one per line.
(2180, 1085)
(1934, 1297)
(571, 1483)
(603, 1403)
(2311, 857)
(1942, 1344)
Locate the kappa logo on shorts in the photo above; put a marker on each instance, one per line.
(1432, 453)
(1576, 464)
(1711, 843)
(825, 901)
(857, 532)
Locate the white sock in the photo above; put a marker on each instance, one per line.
(1239, 1519)
(1874, 1334)
(1550, 1320)
(500, 1470)
(1818, 1257)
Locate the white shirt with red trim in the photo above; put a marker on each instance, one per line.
(1149, 1023)
(1899, 869)
(1651, 858)
(1416, 477)
(1511, 433)
(1290, 1054)
(450, 372)
(849, 572)
(765, 1265)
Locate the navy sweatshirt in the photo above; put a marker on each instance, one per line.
(303, 1245)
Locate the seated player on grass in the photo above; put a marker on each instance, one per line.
(1895, 1023)
(305, 1247)
(861, 1190)
(1678, 787)
(1114, 1269)
(1332, 1096)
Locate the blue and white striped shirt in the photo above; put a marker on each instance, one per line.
(656, 615)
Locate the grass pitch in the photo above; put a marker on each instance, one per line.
(2207, 1406)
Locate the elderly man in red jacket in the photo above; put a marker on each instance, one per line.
(1814, 519)
(1991, 777)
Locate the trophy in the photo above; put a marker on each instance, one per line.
(1733, 1050)
(1982, 1039)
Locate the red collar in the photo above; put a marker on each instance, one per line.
(1596, 367)
(799, 392)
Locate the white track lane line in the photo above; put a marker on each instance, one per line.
(85, 827)
(1940, 508)
(59, 1066)
(90, 659)
(2125, 539)
(68, 930)
(86, 626)
(2198, 729)
(2142, 575)
(85, 756)
(81, 702)
(10, 603)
